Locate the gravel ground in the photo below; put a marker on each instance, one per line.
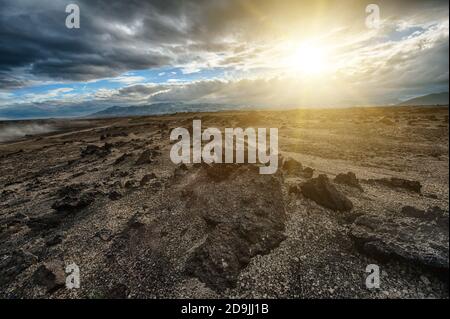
(103, 194)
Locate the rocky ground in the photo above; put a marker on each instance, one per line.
(355, 187)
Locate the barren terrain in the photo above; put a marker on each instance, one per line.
(355, 187)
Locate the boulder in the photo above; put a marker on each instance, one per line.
(234, 235)
(348, 179)
(147, 157)
(73, 197)
(292, 166)
(324, 193)
(93, 149)
(307, 172)
(50, 275)
(434, 214)
(416, 236)
(45, 222)
(12, 264)
(147, 178)
(395, 182)
(144, 158)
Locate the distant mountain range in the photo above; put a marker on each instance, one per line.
(93, 110)
(97, 111)
(168, 108)
(24, 112)
(28, 112)
(430, 99)
(158, 109)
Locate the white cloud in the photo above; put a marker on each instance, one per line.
(49, 95)
(127, 79)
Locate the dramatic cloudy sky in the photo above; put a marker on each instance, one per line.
(242, 52)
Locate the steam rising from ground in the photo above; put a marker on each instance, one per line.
(9, 132)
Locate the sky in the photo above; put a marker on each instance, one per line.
(261, 53)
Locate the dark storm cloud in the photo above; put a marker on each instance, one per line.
(7, 81)
(118, 36)
(33, 36)
(115, 36)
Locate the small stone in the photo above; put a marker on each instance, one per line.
(51, 275)
(147, 178)
(425, 280)
(54, 240)
(114, 195)
(145, 157)
(129, 184)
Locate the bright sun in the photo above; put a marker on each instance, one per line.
(307, 59)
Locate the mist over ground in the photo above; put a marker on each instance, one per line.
(10, 132)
